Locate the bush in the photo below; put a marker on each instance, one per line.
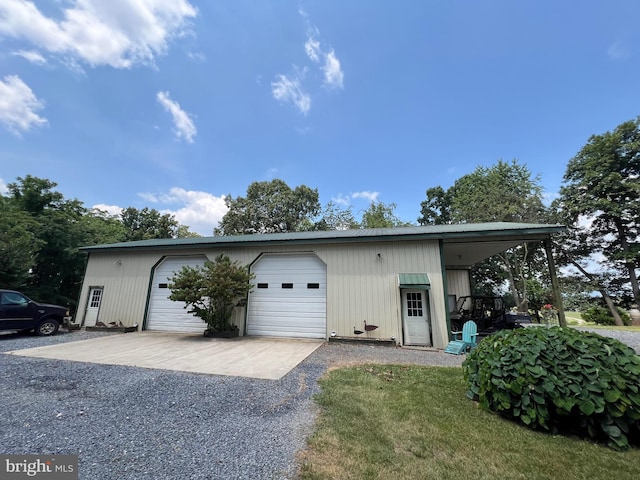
(602, 316)
(211, 292)
(560, 380)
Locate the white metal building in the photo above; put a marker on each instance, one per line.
(307, 284)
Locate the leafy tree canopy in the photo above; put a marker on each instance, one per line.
(381, 215)
(41, 232)
(601, 201)
(504, 192)
(148, 223)
(269, 207)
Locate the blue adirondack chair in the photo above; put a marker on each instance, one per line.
(467, 340)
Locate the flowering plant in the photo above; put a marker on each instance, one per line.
(549, 314)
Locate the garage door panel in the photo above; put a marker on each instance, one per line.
(166, 315)
(299, 311)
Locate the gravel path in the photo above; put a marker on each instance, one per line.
(132, 423)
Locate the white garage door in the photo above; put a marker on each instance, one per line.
(166, 315)
(289, 297)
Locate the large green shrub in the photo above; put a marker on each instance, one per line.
(602, 316)
(212, 291)
(560, 380)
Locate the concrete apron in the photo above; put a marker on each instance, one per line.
(253, 357)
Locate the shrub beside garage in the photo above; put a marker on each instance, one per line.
(560, 380)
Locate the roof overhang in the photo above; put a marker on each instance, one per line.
(419, 281)
(462, 253)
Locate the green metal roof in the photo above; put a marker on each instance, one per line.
(433, 232)
(414, 280)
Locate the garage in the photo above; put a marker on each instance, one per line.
(166, 315)
(289, 298)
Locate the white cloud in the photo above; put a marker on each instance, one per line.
(271, 173)
(312, 47)
(118, 33)
(110, 209)
(333, 75)
(371, 196)
(618, 51)
(183, 125)
(289, 90)
(31, 56)
(197, 56)
(18, 106)
(149, 197)
(3, 187)
(201, 211)
(341, 200)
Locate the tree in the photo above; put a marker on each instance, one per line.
(34, 195)
(381, 215)
(601, 201)
(54, 224)
(18, 245)
(504, 192)
(147, 224)
(213, 291)
(333, 217)
(269, 207)
(436, 209)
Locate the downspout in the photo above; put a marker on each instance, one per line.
(555, 285)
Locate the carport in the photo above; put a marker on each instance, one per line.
(253, 357)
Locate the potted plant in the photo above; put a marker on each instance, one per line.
(212, 291)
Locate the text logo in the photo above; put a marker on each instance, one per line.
(50, 467)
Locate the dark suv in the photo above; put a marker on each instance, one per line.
(18, 312)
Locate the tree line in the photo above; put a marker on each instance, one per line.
(599, 202)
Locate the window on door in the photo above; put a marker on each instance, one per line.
(414, 304)
(96, 297)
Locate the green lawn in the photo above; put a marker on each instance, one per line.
(414, 422)
(610, 327)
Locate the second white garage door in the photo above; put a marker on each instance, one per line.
(289, 297)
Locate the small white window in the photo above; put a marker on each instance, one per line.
(96, 296)
(414, 304)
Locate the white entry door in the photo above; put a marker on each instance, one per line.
(415, 317)
(93, 306)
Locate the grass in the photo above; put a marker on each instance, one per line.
(629, 328)
(414, 422)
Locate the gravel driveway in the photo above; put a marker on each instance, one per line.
(133, 423)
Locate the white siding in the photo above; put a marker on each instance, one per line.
(458, 284)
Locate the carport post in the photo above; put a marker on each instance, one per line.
(554, 282)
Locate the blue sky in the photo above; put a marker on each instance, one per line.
(173, 104)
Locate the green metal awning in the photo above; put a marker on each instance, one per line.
(414, 280)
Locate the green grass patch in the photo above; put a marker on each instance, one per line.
(625, 328)
(415, 422)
